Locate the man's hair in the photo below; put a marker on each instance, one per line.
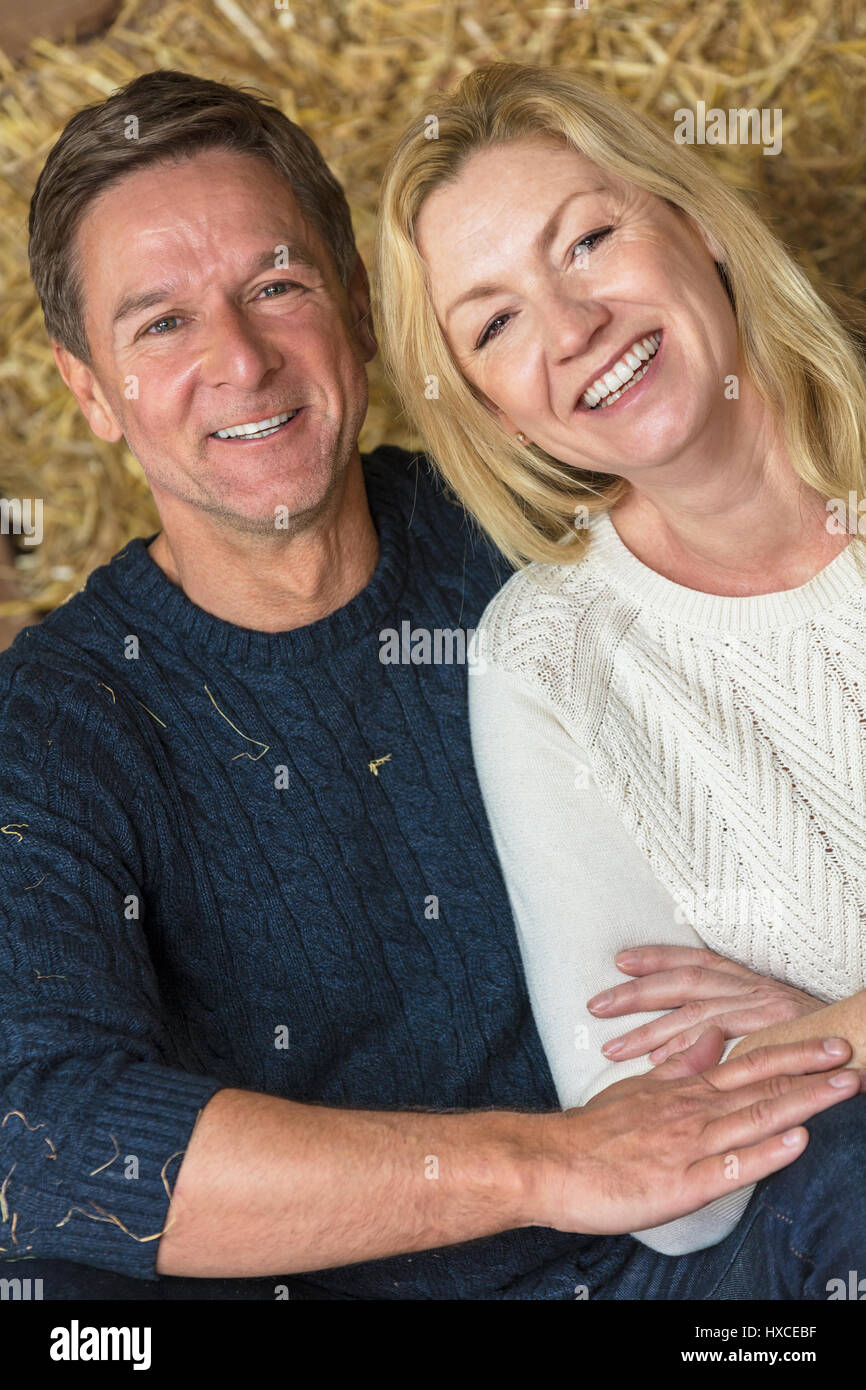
(803, 350)
(177, 116)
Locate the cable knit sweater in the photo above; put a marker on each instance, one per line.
(232, 857)
(661, 765)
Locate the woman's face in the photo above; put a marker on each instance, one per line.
(545, 271)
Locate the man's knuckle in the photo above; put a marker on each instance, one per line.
(682, 1105)
(779, 1084)
(761, 1112)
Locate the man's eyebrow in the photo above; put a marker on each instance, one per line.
(288, 254)
(541, 244)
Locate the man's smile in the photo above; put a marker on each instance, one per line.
(256, 429)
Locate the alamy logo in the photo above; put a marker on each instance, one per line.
(21, 1289)
(437, 646)
(22, 517)
(855, 1288)
(75, 1343)
(737, 126)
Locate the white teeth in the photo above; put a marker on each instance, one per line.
(630, 368)
(259, 427)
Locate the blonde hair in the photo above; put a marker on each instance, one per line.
(805, 358)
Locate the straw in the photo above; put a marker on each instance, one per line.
(353, 72)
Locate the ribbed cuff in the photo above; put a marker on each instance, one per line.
(118, 1213)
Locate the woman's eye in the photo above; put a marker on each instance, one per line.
(589, 241)
(489, 333)
(593, 237)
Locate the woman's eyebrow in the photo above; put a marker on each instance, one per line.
(541, 244)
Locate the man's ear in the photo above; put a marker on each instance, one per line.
(86, 390)
(360, 311)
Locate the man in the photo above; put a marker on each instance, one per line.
(267, 1030)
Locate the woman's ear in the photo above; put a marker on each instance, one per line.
(504, 421)
(713, 246)
(709, 241)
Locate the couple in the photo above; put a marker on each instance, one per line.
(267, 1025)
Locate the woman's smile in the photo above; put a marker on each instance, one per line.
(612, 387)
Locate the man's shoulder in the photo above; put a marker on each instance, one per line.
(38, 672)
(437, 523)
(58, 670)
(412, 479)
(63, 644)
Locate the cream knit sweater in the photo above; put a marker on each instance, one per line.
(664, 766)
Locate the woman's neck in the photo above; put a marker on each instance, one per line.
(761, 531)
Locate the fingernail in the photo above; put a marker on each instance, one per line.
(792, 1138)
(835, 1046)
(601, 1002)
(844, 1079)
(613, 1049)
(625, 958)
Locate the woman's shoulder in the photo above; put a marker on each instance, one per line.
(537, 618)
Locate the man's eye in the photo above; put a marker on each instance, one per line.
(169, 318)
(282, 285)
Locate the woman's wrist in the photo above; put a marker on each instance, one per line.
(844, 1019)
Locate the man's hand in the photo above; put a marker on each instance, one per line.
(702, 989)
(656, 1147)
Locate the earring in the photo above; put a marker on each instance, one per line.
(521, 436)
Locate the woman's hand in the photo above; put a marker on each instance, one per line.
(702, 990)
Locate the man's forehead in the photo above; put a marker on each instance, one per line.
(117, 227)
(208, 184)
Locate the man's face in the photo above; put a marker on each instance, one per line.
(199, 320)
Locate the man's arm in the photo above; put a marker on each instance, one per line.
(268, 1186)
(97, 1124)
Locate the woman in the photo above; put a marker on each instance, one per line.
(632, 388)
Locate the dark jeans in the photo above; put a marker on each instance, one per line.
(803, 1227)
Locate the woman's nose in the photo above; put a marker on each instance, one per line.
(566, 326)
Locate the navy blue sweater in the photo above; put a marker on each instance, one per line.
(203, 883)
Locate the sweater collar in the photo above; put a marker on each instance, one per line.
(145, 590)
(838, 580)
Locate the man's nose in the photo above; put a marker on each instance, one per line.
(238, 353)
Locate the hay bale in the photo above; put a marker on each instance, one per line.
(353, 72)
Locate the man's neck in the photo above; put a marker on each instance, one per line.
(277, 582)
